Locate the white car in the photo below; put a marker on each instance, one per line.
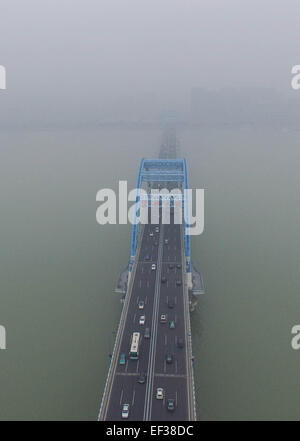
(142, 320)
(153, 267)
(157, 230)
(151, 234)
(125, 411)
(163, 318)
(159, 393)
(141, 304)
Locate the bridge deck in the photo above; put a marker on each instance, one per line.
(174, 378)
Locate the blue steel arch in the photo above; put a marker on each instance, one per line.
(187, 237)
(135, 226)
(162, 170)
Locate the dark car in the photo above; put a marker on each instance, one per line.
(169, 358)
(171, 404)
(171, 265)
(147, 333)
(147, 257)
(142, 378)
(163, 279)
(171, 303)
(180, 343)
(178, 282)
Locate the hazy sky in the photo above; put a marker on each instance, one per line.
(62, 54)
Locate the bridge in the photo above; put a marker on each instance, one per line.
(161, 284)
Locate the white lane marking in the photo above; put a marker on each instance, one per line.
(176, 398)
(165, 366)
(140, 283)
(166, 339)
(121, 396)
(176, 367)
(133, 396)
(126, 367)
(137, 366)
(146, 299)
(148, 284)
(134, 317)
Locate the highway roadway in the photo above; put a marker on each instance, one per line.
(160, 297)
(172, 377)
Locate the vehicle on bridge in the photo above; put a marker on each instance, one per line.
(180, 343)
(142, 378)
(172, 324)
(169, 358)
(125, 411)
(171, 303)
(163, 318)
(159, 393)
(122, 359)
(142, 320)
(171, 404)
(134, 348)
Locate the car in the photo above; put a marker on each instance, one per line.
(141, 304)
(163, 318)
(178, 282)
(122, 359)
(178, 265)
(180, 343)
(125, 411)
(142, 320)
(151, 234)
(153, 267)
(171, 265)
(172, 324)
(163, 279)
(147, 257)
(166, 241)
(171, 404)
(171, 303)
(157, 229)
(142, 378)
(155, 243)
(169, 358)
(159, 393)
(147, 333)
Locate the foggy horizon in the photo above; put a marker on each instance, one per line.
(71, 61)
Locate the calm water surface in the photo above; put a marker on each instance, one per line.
(58, 269)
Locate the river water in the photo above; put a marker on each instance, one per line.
(58, 268)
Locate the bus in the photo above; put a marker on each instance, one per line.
(134, 349)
